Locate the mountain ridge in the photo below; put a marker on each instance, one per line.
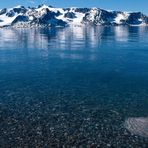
(48, 16)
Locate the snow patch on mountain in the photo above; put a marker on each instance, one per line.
(121, 16)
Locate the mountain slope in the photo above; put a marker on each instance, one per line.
(44, 16)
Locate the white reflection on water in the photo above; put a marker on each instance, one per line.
(64, 40)
(121, 33)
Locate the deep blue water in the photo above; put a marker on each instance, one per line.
(72, 86)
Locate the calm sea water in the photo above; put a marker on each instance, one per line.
(72, 86)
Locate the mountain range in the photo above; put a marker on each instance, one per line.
(48, 16)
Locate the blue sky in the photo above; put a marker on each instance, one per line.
(127, 5)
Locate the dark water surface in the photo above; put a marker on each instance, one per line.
(73, 86)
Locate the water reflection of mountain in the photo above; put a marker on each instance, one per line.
(71, 38)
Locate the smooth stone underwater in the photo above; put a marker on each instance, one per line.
(137, 126)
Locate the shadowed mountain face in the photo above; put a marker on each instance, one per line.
(48, 16)
(3, 11)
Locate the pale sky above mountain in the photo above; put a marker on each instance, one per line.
(124, 5)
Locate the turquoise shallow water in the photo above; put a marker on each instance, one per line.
(72, 86)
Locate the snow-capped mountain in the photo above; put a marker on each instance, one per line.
(44, 16)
